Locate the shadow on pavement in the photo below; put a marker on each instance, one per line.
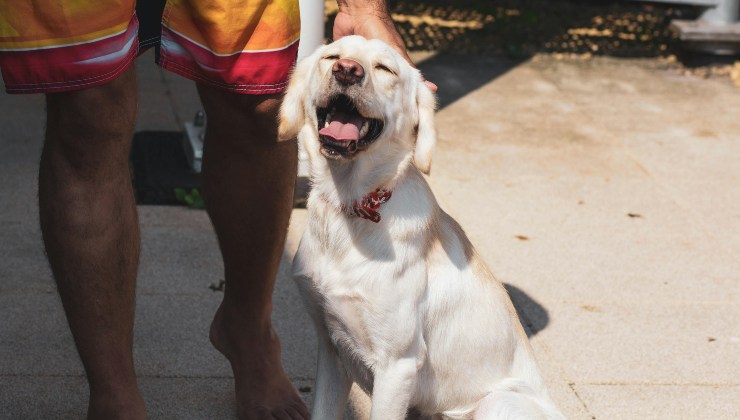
(534, 317)
(479, 40)
(456, 76)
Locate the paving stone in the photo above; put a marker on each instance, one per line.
(34, 337)
(184, 94)
(24, 266)
(677, 344)
(654, 402)
(156, 111)
(19, 192)
(37, 397)
(172, 333)
(555, 205)
(182, 260)
(22, 127)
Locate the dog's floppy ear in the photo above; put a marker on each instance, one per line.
(426, 135)
(292, 111)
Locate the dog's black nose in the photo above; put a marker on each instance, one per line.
(348, 72)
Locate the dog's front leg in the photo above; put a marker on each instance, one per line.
(332, 383)
(392, 389)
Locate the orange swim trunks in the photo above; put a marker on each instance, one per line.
(245, 46)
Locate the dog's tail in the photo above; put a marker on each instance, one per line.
(514, 399)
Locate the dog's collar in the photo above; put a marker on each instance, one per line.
(368, 207)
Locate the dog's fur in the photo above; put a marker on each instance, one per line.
(404, 307)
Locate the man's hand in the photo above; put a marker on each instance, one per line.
(371, 19)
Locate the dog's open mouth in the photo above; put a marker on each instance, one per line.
(343, 131)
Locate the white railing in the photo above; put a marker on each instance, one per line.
(312, 26)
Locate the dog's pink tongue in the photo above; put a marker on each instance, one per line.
(343, 127)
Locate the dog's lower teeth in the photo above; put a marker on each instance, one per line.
(364, 128)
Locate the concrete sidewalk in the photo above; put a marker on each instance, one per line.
(605, 193)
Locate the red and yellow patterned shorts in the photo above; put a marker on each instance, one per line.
(245, 46)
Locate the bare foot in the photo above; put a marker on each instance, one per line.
(263, 390)
(119, 405)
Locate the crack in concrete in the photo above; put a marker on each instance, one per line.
(571, 385)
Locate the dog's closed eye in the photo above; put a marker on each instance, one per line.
(331, 57)
(383, 67)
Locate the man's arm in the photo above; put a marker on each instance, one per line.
(371, 19)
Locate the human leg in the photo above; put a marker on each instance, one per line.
(90, 230)
(248, 182)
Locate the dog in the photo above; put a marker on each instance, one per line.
(402, 303)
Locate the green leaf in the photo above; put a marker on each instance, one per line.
(198, 203)
(180, 194)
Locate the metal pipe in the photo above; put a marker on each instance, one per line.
(726, 11)
(312, 26)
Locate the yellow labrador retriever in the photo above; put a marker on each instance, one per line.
(402, 303)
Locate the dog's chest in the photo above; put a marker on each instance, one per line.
(364, 278)
(357, 310)
(352, 333)
(352, 322)
(361, 297)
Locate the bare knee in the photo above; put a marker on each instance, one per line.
(90, 131)
(243, 122)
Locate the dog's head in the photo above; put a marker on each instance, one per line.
(356, 97)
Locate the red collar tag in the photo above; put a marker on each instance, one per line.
(368, 207)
